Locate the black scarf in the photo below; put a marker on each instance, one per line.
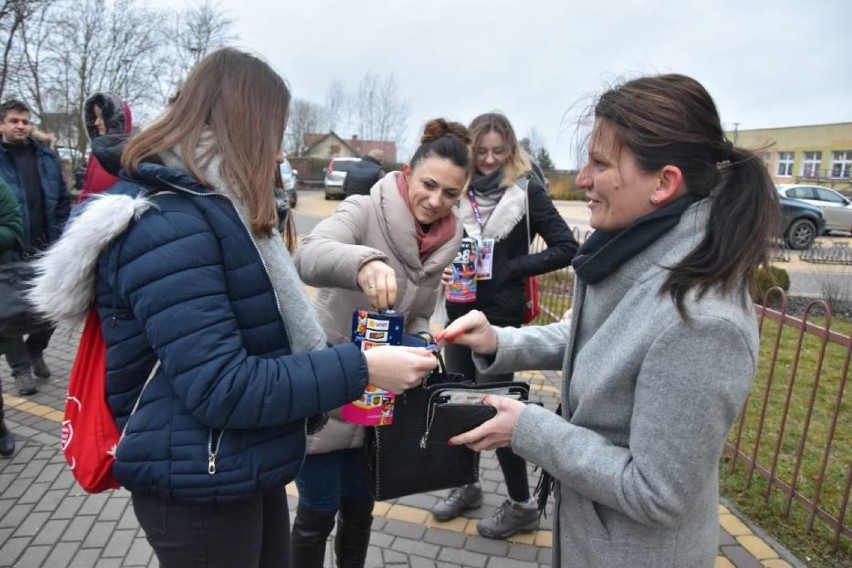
(489, 184)
(605, 251)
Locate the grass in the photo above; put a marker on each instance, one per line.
(792, 531)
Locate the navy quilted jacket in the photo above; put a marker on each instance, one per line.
(56, 199)
(224, 416)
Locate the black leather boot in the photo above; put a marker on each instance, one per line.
(308, 537)
(7, 441)
(353, 533)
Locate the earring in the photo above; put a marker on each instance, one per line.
(653, 201)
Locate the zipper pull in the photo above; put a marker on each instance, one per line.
(211, 453)
(423, 440)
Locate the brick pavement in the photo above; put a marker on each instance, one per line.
(46, 520)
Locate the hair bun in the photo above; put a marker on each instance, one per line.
(440, 128)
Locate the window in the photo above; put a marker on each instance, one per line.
(811, 164)
(841, 164)
(767, 159)
(785, 164)
(829, 196)
(803, 192)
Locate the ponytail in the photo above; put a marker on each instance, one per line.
(744, 215)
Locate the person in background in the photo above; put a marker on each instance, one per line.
(682, 221)
(363, 175)
(103, 114)
(501, 197)
(196, 290)
(386, 249)
(34, 173)
(11, 246)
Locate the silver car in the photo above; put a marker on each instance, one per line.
(335, 175)
(836, 208)
(289, 180)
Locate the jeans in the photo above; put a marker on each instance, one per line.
(18, 351)
(251, 533)
(459, 359)
(327, 479)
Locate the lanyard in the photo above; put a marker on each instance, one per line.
(476, 213)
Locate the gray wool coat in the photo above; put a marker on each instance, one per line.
(647, 399)
(378, 226)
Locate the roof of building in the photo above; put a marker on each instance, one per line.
(357, 145)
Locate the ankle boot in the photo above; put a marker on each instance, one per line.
(309, 535)
(353, 533)
(7, 441)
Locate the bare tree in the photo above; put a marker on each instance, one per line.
(13, 15)
(381, 112)
(305, 117)
(336, 110)
(196, 31)
(536, 141)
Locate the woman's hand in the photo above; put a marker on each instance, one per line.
(497, 432)
(378, 281)
(447, 276)
(396, 368)
(471, 330)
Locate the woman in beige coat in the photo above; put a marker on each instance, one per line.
(387, 249)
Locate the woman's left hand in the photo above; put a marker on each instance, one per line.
(497, 432)
(378, 281)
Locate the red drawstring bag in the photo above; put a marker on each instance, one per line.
(89, 432)
(532, 307)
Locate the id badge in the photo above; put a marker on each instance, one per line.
(485, 259)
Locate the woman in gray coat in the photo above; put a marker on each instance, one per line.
(386, 249)
(660, 350)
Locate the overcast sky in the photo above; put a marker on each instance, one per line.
(767, 63)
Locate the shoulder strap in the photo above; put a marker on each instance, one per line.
(524, 183)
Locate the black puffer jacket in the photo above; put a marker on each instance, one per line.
(362, 176)
(501, 298)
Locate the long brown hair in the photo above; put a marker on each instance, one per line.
(517, 163)
(672, 120)
(244, 104)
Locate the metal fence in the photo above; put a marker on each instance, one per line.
(794, 429)
(556, 288)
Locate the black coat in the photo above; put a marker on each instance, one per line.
(502, 298)
(362, 176)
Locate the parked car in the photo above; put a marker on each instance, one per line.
(801, 223)
(835, 207)
(335, 175)
(289, 181)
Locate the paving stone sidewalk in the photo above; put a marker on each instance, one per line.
(46, 520)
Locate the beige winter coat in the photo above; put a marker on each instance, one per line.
(365, 228)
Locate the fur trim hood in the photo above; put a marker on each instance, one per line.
(116, 114)
(64, 287)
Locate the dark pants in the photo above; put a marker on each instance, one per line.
(459, 359)
(253, 532)
(326, 480)
(18, 351)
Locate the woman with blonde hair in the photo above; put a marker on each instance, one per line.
(197, 292)
(504, 210)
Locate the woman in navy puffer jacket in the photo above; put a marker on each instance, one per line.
(185, 265)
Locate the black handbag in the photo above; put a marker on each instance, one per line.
(411, 455)
(17, 315)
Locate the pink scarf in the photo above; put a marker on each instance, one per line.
(439, 232)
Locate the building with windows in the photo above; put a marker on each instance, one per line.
(815, 154)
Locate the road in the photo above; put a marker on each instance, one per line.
(806, 279)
